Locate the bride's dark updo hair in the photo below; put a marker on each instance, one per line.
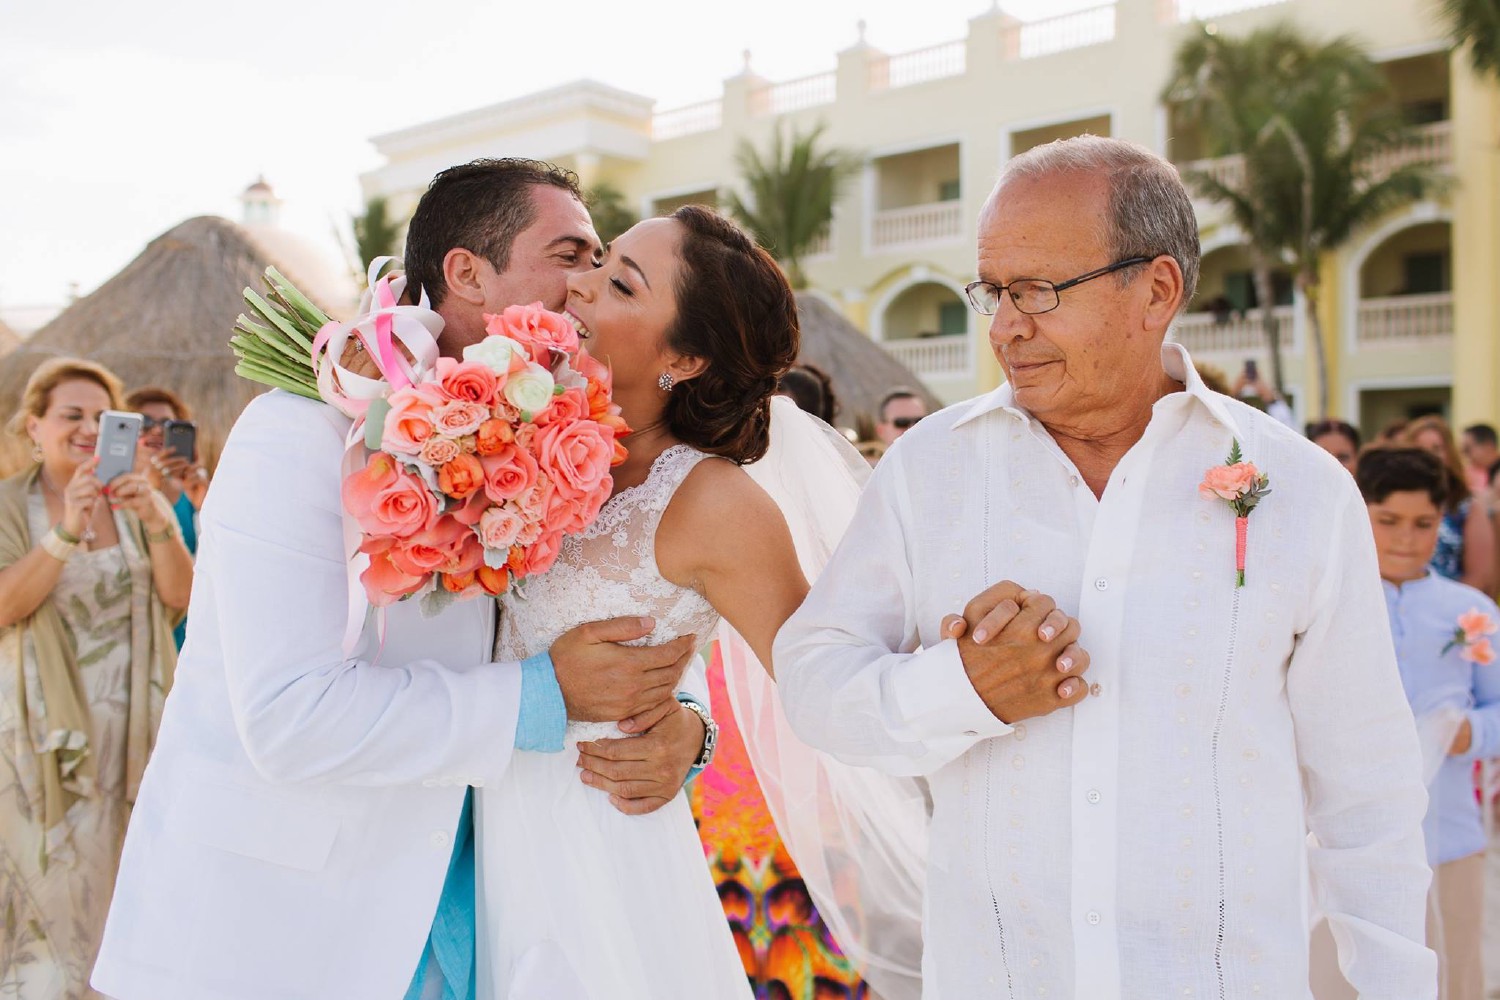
(736, 311)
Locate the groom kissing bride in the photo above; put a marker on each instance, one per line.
(301, 830)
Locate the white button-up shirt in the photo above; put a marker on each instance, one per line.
(1152, 842)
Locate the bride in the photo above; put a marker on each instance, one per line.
(578, 901)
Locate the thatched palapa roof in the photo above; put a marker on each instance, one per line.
(166, 320)
(9, 339)
(862, 372)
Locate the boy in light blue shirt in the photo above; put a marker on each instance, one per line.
(1443, 633)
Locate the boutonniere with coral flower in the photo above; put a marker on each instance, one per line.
(1471, 637)
(1241, 485)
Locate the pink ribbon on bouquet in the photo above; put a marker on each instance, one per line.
(381, 323)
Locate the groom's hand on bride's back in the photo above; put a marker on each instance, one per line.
(1020, 651)
(603, 681)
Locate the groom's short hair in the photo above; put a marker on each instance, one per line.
(480, 206)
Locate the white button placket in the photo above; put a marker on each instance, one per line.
(1110, 524)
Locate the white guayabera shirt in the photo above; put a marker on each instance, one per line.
(1152, 842)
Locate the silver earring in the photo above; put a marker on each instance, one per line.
(36, 453)
(666, 382)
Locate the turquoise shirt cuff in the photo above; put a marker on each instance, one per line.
(693, 772)
(544, 718)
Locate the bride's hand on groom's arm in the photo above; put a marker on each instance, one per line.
(644, 773)
(603, 681)
(1020, 652)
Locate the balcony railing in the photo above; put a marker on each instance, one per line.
(1204, 333)
(1429, 144)
(795, 95)
(821, 246)
(929, 357)
(1227, 170)
(704, 117)
(1406, 319)
(907, 68)
(918, 224)
(1059, 34)
(1181, 11)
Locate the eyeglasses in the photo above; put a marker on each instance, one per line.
(904, 423)
(149, 424)
(1035, 295)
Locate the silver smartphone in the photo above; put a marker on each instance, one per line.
(115, 449)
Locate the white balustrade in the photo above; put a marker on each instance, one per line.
(821, 246)
(1404, 319)
(918, 224)
(795, 95)
(1429, 144)
(1060, 34)
(1205, 333)
(704, 117)
(1183, 11)
(906, 68)
(933, 356)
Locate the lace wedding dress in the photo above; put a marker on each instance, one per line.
(578, 901)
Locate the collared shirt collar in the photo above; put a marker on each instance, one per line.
(1175, 361)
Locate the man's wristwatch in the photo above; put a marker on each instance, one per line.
(710, 733)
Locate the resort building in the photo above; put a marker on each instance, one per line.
(1410, 308)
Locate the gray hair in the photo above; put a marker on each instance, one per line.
(1150, 212)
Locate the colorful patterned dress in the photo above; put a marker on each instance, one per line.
(787, 950)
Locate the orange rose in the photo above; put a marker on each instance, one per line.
(462, 477)
(494, 581)
(493, 435)
(457, 583)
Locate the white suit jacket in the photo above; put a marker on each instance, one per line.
(294, 827)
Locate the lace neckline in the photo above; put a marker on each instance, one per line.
(657, 465)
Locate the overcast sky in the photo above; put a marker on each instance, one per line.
(119, 120)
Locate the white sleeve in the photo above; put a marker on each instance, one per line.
(273, 572)
(851, 680)
(1362, 771)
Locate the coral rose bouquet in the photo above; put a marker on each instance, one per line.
(479, 467)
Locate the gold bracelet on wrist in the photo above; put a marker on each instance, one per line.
(57, 547)
(164, 535)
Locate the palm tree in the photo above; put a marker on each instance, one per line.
(376, 233)
(612, 216)
(1478, 23)
(1321, 143)
(792, 191)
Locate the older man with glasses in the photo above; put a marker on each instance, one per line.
(1148, 828)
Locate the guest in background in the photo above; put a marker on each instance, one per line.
(812, 390)
(180, 478)
(899, 412)
(1444, 654)
(1481, 450)
(92, 577)
(1466, 538)
(1339, 439)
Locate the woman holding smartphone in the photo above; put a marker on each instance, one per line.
(92, 577)
(171, 466)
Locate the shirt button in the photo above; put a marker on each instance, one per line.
(1093, 917)
(1096, 689)
(1101, 584)
(1072, 480)
(440, 838)
(1094, 796)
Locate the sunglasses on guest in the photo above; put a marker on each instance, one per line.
(904, 423)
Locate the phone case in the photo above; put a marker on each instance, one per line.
(118, 434)
(181, 437)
